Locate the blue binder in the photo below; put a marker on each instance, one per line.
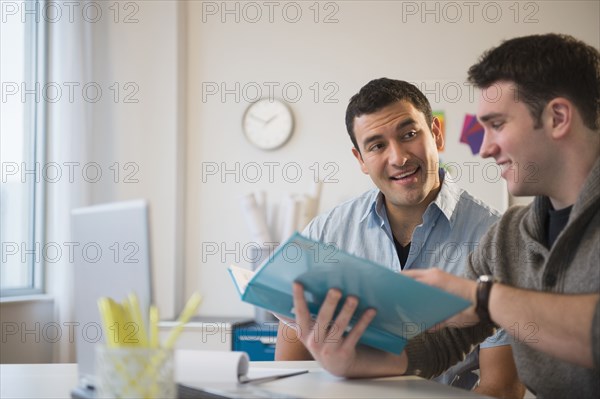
(405, 307)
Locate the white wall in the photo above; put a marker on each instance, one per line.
(141, 128)
(370, 39)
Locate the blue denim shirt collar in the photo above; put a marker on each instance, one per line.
(445, 202)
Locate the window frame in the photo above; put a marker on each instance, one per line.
(35, 126)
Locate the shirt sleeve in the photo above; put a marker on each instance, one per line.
(313, 230)
(500, 338)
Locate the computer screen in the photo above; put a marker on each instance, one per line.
(112, 259)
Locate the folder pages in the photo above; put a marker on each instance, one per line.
(405, 307)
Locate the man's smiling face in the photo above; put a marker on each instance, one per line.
(521, 149)
(399, 151)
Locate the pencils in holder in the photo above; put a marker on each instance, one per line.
(119, 318)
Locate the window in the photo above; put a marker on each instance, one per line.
(22, 132)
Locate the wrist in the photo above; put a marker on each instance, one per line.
(372, 362)
(483, 293)
(395, 364)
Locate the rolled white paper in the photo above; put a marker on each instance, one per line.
(255, 219)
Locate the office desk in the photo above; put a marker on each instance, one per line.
(56, 381)
(37, 380)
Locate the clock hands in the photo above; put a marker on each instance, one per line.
(265, 122)
(271, 119)
(257, 118)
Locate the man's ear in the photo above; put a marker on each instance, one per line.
(436, 130)
(561, 116)
(358, 157)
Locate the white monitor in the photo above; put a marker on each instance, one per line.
(112, 259)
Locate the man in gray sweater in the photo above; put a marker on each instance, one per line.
(537, 269)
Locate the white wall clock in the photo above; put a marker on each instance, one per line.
(268, 123)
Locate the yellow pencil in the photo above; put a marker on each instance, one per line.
(153, 327)
(188, 311)
(107, 318)
(138, 320)
(113, 320)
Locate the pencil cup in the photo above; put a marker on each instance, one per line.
(130, 372)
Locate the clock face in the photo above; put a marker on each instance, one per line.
(268, 123)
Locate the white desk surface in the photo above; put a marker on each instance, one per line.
(56, 381)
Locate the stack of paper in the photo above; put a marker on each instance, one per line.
(203, 370)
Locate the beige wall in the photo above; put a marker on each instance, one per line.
(30, 332)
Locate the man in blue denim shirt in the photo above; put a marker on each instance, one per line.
(416, 218)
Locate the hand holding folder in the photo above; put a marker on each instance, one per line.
(405, 307)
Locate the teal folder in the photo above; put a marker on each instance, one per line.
(405, 307)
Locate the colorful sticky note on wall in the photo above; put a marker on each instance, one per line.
(472, 133)
(442, 118)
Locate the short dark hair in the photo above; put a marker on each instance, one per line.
(544, 67)
(378, 94)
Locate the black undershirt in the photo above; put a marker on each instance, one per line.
(557, 220)
(402, 252)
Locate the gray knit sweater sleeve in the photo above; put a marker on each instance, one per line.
(430, 354)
